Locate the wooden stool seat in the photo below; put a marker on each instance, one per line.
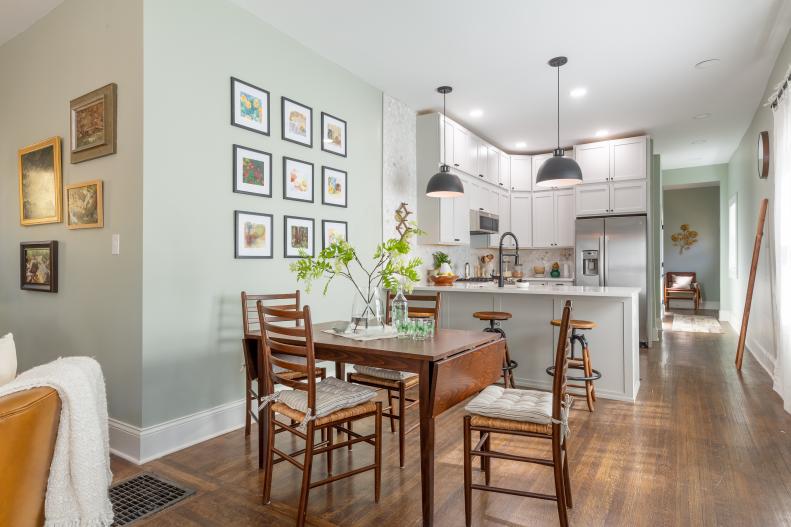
(421, 314)
(577, 324)
(492, 315)
(494, 318)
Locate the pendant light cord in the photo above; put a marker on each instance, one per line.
(444, 132)
(558, 68)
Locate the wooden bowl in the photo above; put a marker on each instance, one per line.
(443, 280)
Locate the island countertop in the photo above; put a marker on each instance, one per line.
(533, 289)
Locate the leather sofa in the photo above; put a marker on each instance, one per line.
(28, 428)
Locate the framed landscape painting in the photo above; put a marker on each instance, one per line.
(93, 124)
(333, 231)
(85, 205)
(38, 266)
(297, 122)
(333, 134)
(298, 236)
(252, 171)
(40, 183)
(333, 187)
(252, 234)
(249, 107)
(297, 180)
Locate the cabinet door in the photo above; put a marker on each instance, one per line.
(592, 199)
(628, 196)
(627, 159)
(544, 218)
(446, 144)
(461, 149)
(564, 218)
(482, 158)
(594, 161)
(493, 163)
(474, 189)
(522, 218)
(536, 163)
(491, 199)
(505, 171)
(521, 173)
(461, 218)
(504, 216)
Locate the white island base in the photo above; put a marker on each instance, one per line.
(614, 344)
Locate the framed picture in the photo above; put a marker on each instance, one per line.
(297, 180)
(249, 107)
(252, 234)
(252, 171)
(333, 231)
(40, 183)
(298, 236)
(297, 122)
(38, 266)
(333, 187)
(333, 134)
(85, 205)
(93, 124)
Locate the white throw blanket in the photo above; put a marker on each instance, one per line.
(79, 477)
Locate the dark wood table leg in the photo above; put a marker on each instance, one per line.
(427, 441)
(340, 371)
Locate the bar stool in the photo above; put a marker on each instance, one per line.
(494, 318)
(583, 363)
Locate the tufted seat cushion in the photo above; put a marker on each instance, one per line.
(331, 395)
(512, 404)
(392, 375)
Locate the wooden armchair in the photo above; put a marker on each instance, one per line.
(682, 286)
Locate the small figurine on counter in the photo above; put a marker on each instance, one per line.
(555, 272)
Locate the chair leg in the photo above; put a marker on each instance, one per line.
(390, 404)
(349, 427)
(302, 509)
(401, 422)
(467, 472)
(261, 432)
(487, 467)
(566, 479)
(329, 440)
(557, 465)
(483, 459)
(247, 404)
(378, 453)
(270, 445)
(588, 369)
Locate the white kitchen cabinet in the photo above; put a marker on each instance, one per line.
(522, 218)
(474, 189)
(543, 218)
(461, 149)
(493, 165)
(594, 161)
(461, 219)
(521, 173)
(446, 144)
(564, 218)
(504, 178)
(503, 212)
(478, 150)
(628, 158)
(536, 163)
(627, 196)
(593, 199)
(490, 199)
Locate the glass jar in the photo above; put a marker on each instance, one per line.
(367, 316)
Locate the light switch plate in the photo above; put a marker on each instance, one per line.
(116, 244)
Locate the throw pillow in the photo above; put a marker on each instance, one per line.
(681, 282)
(7, 359)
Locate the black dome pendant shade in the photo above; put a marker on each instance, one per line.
(558, 171)
(444, 184)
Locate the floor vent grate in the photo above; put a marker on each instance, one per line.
(144, 495)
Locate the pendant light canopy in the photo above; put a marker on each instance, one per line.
(558, 171)
(444, 184)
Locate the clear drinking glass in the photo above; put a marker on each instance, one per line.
(429, 326)
(419, 331)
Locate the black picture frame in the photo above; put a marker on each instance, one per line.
(236, 149)
(233, 109)
(312, 221)
(324, 201)
(324, 115)
(312, 199)
(283, 100)
(324, 231)
(24, 283)
(236, 254)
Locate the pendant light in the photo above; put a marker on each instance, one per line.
(444, 184)
(558, 171)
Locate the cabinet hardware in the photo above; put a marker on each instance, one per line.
(456, 240)
(480, 175)
(480, 208)
(455, 164)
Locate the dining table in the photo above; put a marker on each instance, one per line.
(452, 365)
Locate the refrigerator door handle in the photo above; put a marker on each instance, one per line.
(601, 261)
(605, 259)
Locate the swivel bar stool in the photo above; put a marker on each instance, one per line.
(584, 363)
(494, 318)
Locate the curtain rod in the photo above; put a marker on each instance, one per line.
(779, 90)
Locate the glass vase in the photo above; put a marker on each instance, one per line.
(367, 314)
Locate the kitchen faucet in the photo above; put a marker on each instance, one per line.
(515, 254)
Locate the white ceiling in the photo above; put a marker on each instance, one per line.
(18, 15)
(636, 59)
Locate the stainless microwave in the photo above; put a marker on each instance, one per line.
(482, 222)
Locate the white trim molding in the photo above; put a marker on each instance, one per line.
(762, 355)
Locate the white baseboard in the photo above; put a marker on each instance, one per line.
(689, 304)
(764, 358)
(547, 386)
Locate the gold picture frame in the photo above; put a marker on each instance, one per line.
(93, 124)
(85, 205)
(40, 184)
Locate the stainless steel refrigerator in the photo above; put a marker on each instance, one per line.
(612, 252)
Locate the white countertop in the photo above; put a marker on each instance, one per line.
(532, 289)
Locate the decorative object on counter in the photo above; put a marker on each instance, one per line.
(252, 235)
(442, 263)
(402, 214)
(558, 171)
(444, 184)
(252, 171)
(297, 122)
(297, 237)
(249, 107)
(443, 280)
(85, 205)
(539, 271)
(334, 187)
(555, 272)
(684, 239)
(487, 263)
(297, 180)
(517, 272)
(333, 134)
(40, 183)
(38, 266)
(93, 124)
(566, 270)
(333, 231)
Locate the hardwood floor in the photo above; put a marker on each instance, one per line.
(703, 446)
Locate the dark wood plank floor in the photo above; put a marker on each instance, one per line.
(702, 446)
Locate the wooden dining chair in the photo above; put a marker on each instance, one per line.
(252, 333)
(326, 405)
(395, 382)
(681, 285)
(526, 413)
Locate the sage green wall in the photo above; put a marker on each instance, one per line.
(79, 46)
(191, 281)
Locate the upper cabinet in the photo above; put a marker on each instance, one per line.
(505, 171)
(628, 158)
(521, 173)
(537, 161)
(594, 161)
(493, 165)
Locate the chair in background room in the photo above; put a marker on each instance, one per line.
(682, 286)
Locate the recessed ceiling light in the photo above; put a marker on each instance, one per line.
(477, 112)
(521, 144)
(703, 64)
(698, 141)
(578, 92)
(702, 116)
(602, 133)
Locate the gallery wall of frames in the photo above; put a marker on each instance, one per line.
(254, 173)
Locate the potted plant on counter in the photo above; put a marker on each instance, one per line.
(443, 272)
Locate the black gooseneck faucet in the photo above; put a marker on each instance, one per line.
(515, 254)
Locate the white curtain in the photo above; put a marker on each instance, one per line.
(781, 231)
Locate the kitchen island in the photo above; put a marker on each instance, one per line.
(614, 344)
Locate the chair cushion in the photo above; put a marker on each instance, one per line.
(382, 373)
(331, 395)
(514, 404)
(7, 359)
(681, 282)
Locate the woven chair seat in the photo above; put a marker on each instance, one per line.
(409, 382)
(511, 426)
(338, 416)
